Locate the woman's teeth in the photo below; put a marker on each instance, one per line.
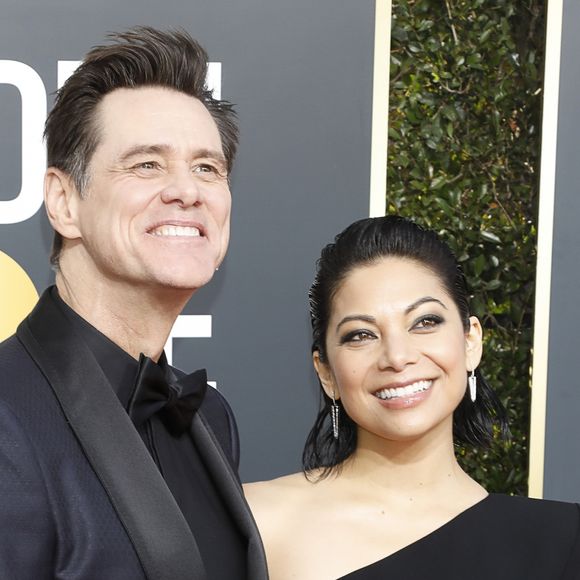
(404, 391)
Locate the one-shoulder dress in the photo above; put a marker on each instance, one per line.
(500, 538)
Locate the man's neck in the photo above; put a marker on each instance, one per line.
(136, 319)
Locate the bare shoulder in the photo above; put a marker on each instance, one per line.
(278, 502)
(290, 487)
(291, 480)
(282, 508)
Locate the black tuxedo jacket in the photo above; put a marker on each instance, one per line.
(80, 496)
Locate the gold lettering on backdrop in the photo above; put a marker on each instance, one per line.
(17, 295)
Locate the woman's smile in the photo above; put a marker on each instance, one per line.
(397, 350)
(404, 396)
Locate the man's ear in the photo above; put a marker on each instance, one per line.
(61, 200)
(474, 345)
(325, 376)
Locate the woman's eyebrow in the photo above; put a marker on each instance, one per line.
(373, 320)
(421, 301)
(361, 317)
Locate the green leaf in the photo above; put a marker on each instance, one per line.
(490, 237)
(479, 264)
(443, 205)
(438, 182)
(394, 134)
(485, 35)
(493, 285)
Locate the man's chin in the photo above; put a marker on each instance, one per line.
(187, 283)
(183, 276)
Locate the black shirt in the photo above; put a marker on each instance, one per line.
(222, 547)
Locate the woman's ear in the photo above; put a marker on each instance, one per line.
(325, 376)
(474, 345)
(61, 200)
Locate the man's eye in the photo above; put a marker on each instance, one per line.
(209, 171)
(205, 168)
(147, 165)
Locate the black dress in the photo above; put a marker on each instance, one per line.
(499, 538)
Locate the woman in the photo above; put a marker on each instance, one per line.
(382, 494)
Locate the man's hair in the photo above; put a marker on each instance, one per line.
(140, 57)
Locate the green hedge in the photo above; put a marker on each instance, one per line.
(463, 158)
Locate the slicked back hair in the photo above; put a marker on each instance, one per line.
(365, 243)
(140, 57)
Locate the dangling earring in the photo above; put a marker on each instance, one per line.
(334, 411)
(472, 381)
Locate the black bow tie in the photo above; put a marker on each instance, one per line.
(176, 400)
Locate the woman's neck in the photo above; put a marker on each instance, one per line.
(423, 469)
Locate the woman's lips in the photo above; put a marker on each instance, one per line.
(409, 390)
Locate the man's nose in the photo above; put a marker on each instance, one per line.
(397, 351)
(183, 187)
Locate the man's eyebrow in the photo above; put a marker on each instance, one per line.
(164, 149)
(211, 154)
(156, 149)
(421, 301)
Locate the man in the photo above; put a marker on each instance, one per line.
(112, 465)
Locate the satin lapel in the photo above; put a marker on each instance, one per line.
(227, 482)
(142, 500)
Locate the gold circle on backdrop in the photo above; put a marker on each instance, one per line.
(17, 295)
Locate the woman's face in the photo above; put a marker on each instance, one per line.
(397, 351)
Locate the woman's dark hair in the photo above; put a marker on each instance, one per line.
(140, 57)
(363, 243)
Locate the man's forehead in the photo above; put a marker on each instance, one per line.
(152, 101)
(155, 117)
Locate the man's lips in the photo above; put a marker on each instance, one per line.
(177, 230)
(404, 391)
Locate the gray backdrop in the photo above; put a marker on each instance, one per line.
(562, 452)
(300, 73)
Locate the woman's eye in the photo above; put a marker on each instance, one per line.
(428, 322)
(357, 336)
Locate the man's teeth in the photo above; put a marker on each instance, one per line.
(404, 391)
(186, 231)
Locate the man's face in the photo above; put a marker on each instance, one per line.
(157, 206)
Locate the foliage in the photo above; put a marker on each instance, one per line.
(463, 158)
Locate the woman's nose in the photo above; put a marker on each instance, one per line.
(397, 351)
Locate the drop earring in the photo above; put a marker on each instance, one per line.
(334, 412)
(472, 382)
